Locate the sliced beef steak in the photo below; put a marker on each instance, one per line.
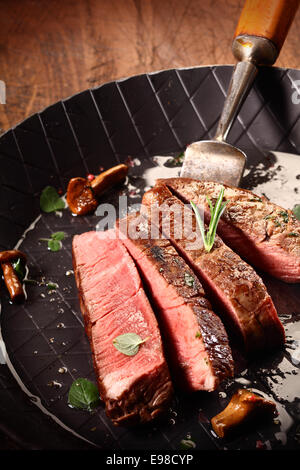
(264, 234)
(197, 344)
(134, 388)
(231, 283)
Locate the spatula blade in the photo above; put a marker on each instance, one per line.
(214, 161)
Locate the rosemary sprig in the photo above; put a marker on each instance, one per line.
(208, 236)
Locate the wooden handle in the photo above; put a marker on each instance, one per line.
(270, 19)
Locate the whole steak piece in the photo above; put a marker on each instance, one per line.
(197, 345)
(264, 234)
(134, 388)
(232, 285)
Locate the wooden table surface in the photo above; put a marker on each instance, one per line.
(50, 50)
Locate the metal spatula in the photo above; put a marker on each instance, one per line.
(259, 36)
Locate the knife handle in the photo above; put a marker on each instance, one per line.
(270, 19)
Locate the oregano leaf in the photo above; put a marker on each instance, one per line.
(52, 285)
(128, 343)
(54, 245)
(50, 201)
(83, 394)
(58, 236)
(18, 266)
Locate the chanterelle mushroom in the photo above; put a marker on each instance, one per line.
(12, 282)
(243, 407)
(82, 194)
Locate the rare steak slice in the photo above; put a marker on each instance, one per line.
(134, 388)
(197, 344)
(233, 286)
(264, 234)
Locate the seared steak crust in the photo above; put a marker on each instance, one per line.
(172, 285)
(232, 284)
(263, 233)
(150, 389)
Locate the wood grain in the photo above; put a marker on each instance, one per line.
(270, 19)
(50, 50)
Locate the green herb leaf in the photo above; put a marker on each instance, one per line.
(175, 161)
(19, 268)
(189, 280)
(296, 211)
(128, 343)
(54, 245)
(216, 212)
(51, 285)
(198, 335)
(50, 201)
(83, 395)
(187, 444)
(199, 222)
(211, 207)
(58, 236)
